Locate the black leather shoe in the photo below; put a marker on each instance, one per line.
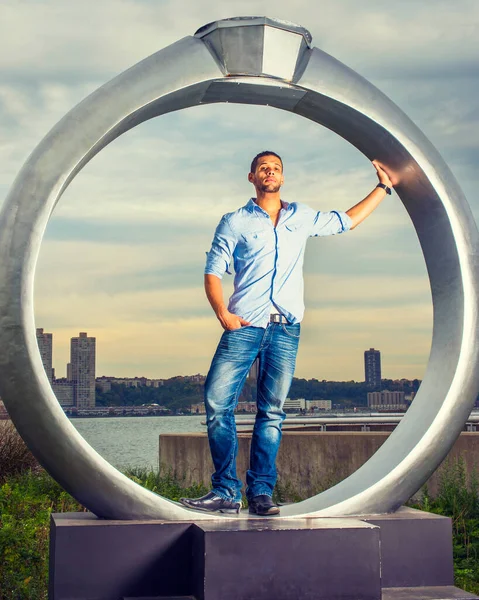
(212, 503)
(263, 505)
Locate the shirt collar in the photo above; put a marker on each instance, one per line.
(251, 205)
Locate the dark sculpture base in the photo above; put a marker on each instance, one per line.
(402, 556)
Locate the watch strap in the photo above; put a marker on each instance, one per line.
(384, 187)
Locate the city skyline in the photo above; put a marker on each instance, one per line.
(124, 252)
(371, 365)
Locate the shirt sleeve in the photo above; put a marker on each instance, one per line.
(222, 248)
(330, 223)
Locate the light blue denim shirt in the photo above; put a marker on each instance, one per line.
(268, 260)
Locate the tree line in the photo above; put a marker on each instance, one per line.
(179, 394)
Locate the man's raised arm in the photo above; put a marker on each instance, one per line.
(364, 208)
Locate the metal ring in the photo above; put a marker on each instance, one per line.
(254, 61)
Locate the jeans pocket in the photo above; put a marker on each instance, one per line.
(242, 328)
(293, 331)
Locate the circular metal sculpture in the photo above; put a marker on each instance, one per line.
(267, 62)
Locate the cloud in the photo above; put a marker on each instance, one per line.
(123, 254)
(334, 339)
(137, 302)
(52, 38)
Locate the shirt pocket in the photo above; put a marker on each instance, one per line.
(253, 242)
(294, 227)
(295, 235)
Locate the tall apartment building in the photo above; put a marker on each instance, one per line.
(45, 345)
(82, 359)
(372, 368)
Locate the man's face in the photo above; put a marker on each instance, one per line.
(268, 176)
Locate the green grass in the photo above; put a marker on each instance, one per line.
(26, 502)
(163, 483)
(28, 499)
(458, 498)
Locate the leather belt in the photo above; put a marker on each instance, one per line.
(278, 318)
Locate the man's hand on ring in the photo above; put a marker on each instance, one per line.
(382, 175)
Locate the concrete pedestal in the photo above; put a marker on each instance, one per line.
(388, 557)
(416, 549)
(320, 559)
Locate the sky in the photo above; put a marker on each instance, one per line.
(124, 252)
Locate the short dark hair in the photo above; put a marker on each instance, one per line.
(254, 164)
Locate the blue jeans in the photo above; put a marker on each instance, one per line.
(276, 346)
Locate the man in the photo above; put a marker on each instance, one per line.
(266, 240)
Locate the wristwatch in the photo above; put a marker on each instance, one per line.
(384, 187)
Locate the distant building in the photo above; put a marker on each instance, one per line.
(45, 345)
(155, 383)
(138, 381)
(198, 378)
(372, 368)
(103, 384)
(294, 405)
(318, 404)
(127, 381)
(387, 400)
(63, 390)
(82, 353)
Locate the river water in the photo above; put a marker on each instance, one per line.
(133, 441)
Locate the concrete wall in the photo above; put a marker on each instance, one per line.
(308, 462)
